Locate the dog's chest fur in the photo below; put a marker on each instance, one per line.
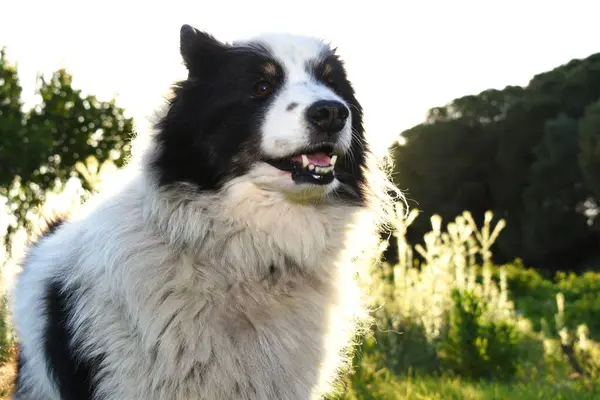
(245, 298)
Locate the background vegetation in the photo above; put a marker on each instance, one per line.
(529, 154)
(459, 313)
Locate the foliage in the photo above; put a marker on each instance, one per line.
(546, 209)
(5, 338)
(418, 322)
(451, 318)
(534, 297)
(518, 152)
(431, 387)
(581, 296)
(589, 143)
(476, 348)
(40, 147)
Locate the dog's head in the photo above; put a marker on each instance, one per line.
(278, 108)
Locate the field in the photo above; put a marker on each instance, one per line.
(446, 388)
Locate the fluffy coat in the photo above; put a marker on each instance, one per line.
(171, 288)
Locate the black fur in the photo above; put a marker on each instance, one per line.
(52, 225)
(74, 377)
(211, 132)
(20, 363)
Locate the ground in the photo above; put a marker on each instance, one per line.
(7, 377)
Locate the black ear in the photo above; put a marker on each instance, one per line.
(196, 47)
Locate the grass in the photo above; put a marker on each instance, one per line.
(386, 387)
(450, 388)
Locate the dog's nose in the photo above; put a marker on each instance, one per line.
(329, 116)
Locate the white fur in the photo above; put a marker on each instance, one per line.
(176, 288)
(206, 282)
(285, 131)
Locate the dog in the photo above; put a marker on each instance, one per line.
(222, 266)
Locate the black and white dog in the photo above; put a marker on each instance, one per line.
(222, 267)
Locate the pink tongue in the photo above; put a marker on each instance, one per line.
(321, 159)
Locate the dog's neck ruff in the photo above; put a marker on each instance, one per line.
(310, 234)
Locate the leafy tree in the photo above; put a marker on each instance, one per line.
(589, 141)
(476, 347)
(11, 117)
(443, 169)
(497, 150)
(487, 107)
(553, 224)
(41, 146)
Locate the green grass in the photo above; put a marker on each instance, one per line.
(448, 388)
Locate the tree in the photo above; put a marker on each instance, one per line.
(41, 146)
(553, 223)
(11, 117)
(497, 150)
(589, 143)
(443, 169)
(488, 106)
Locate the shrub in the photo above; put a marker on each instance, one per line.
(417, 312)
(581, 295)
(534, 297)
(475, 347)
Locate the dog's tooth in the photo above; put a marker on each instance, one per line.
(317, 169)
(311, 167)
(304, 161)
(333, 159)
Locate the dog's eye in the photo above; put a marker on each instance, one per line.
(331, 83)
(263, 88)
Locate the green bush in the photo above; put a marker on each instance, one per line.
(453, 312)
(475, 347)
(582, 298)
(534, 297)
(414, 304)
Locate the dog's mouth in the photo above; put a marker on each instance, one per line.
(314, 165)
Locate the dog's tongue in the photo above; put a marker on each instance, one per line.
(315, 158)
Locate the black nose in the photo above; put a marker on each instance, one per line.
(328, 115)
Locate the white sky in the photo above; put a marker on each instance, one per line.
(403, 56)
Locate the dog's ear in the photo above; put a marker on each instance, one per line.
(198, 49)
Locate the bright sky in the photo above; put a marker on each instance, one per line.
(403, 56)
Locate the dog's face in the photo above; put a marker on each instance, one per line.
(278, 108)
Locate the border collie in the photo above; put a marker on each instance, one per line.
(222, 268)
